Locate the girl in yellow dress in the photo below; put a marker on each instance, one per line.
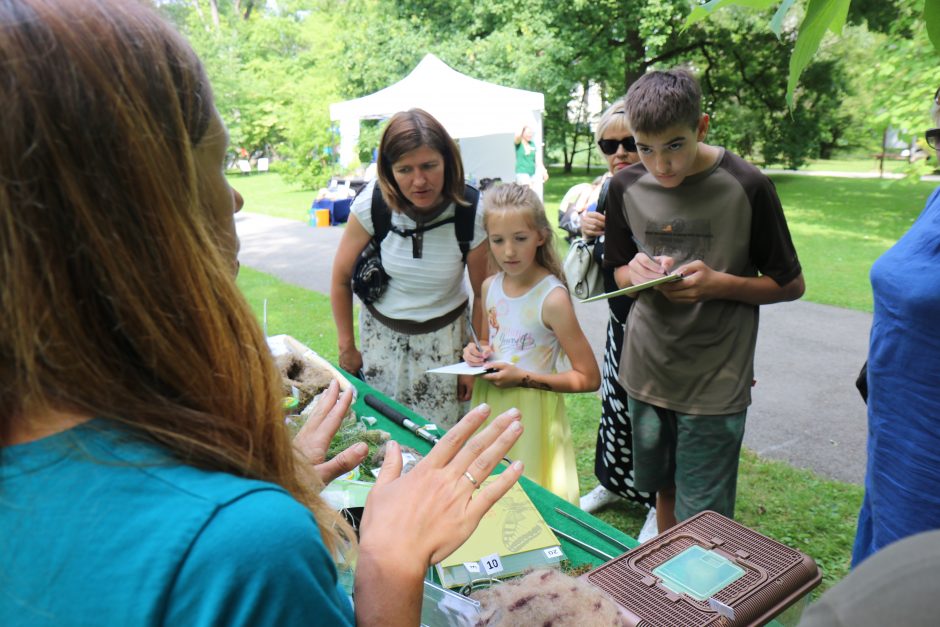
(531, 328)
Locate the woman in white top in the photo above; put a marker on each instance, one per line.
(420, 321)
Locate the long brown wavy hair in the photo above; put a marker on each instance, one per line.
(118, 300)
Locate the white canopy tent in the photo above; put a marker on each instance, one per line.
(483, 117)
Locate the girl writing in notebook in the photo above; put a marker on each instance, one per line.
(531, 324)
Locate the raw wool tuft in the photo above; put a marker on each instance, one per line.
(309, 379)
(547, 597)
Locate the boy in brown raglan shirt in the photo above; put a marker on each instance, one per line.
(688, 357)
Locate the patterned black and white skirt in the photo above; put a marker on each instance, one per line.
(613, 461)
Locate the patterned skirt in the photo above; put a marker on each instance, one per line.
(613, 458)
(396, 364)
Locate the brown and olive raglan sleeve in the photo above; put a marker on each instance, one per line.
(619, 248)
(772, 250)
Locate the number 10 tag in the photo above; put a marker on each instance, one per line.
(492, 564)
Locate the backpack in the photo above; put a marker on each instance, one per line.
(369, 278)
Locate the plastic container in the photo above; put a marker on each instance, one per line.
(319, 217)
(772, 589)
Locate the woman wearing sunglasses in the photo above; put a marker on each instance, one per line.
(902, 480)
(613, 464)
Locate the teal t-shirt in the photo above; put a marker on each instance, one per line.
(97, 528)
(525, 163)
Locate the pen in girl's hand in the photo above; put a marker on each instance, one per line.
(643, 249)
(473, 333)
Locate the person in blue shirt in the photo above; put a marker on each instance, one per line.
(146, 474)
(902, 478)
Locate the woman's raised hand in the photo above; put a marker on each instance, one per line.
(313, 439)
(418, 519)
(429, 512)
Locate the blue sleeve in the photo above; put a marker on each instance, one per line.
(259, 561)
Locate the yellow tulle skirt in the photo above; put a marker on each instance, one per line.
(545, 447)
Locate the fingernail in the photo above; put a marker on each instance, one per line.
(513, 412)
(517, 465)
(482, 407)
(361, 448)
(515, 426)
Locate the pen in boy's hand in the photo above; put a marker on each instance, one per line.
(645, 251)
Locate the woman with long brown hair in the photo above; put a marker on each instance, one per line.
(146, 476)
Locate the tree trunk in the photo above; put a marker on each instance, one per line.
(634, 56)
(884, 149)
(214, 5)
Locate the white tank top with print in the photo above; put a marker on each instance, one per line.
(517, 333)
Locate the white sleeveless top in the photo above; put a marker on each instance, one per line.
(517, 333)
(424, 288)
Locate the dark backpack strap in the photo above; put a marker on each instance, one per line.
(602, 196)
(381, 216)
(465, 220)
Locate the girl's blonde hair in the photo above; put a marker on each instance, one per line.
(119, 300)
(511, 197)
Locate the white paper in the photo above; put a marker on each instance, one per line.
(639, 287)
(461, 368)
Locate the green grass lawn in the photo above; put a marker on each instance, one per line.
(271, 195)
(806, 512)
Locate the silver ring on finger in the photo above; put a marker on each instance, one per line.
(476, 484)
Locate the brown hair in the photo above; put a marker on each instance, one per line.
(410, 130)
(662, 99)
(118, 300)
(510, 197)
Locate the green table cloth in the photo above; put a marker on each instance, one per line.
(545, 501)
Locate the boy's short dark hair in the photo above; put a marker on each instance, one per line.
(659, 100)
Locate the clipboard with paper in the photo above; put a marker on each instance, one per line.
(669, 278)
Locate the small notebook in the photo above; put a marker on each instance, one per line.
(639, 287)
(511, 538)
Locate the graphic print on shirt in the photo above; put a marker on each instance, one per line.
(683, 240)
(508, 341)
(493, 320)
(518, 335)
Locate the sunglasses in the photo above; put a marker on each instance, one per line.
(609, 146)
(933, 138)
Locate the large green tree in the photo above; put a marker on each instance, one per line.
(277, 65)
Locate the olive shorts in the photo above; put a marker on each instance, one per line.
(696, 454)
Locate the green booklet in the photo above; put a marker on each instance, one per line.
(511, 538)
(669, 278)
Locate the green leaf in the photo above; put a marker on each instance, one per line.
(932, 17)
(820, 16)
(776, 24)
(704, 10)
